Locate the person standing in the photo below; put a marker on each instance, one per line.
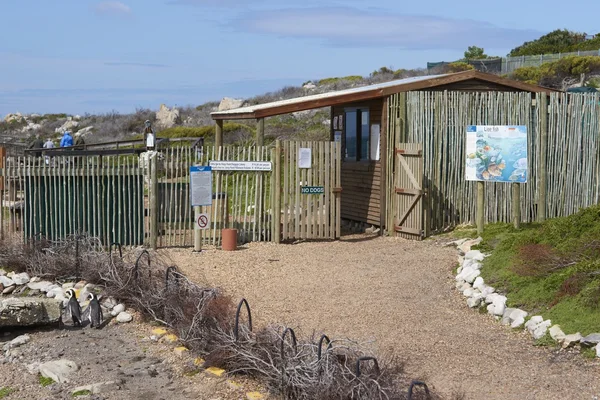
(37, 144)
(149, 136)
(48, 145)
(67, 140)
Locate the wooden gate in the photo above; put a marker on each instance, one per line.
(409, 193)
(310, 192)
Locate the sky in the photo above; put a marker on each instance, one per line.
(87, 56)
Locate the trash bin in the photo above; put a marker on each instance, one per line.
(229, 239)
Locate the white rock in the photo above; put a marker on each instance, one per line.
(16, 342)
(68, 285)
(533, 322)
(98, 388)
(556, 333)
(506, 316)
(57, 291)
(69, 125)
(474, 302)
(42, 286)
(6, 281)
(478, 283)
(309, 85)
(21, 279)
(124, 317)
(459, 270)
(10, 274)
(119, 308)
(464, 287)
(476, 265)
(2, 272)
(77, 117)
(491, 309)
(166, 117)
(50, 288)
(518, 313)
(228, 103)
(467, 263)
(58, 370)
(487, 290)
(474, 255)
(472, 275)
(517, 322)
(85, 131)
(468, 292)
(34, 279)
(571, 340)
(598, 350)
(491, 297)
(109, 303)
(9, 290)
(541, 329)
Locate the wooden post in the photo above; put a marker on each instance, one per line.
(260, 132)
(516, 205)
(153, 201)
(480, 207)
(218, 135)
(277, 191)
(197, 232)
(383, 157)
(542, 165)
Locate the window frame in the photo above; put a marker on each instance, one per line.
(358, 109)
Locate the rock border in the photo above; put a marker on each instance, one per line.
(479, 294)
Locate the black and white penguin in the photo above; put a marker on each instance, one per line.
(73, 307)
(94, 312)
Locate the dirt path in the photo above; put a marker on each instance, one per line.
(401, 295)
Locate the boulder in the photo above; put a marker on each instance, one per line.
(571, 340)
(228, 103)
(2, 272)
(9, 290)
(98, 388)
(598, 350)
(58, 370)
(537, 327)
(506, 316)
(116, 310)
(21, 279)
(468, 292)
(517, 322)
(309, 85)
(17, 117)
(16, 342)
(6, 281)
(69, 125)
(591, 340)
(166, 117)
(556, 333)
(533, 322)
(124, 317)
(29, 311)
(474, 255)
(42, 286)
(478, 283)
(471, 275)
(474, 302)
(85, 131)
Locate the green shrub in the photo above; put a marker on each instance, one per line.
(6, 391)
(558, 41)
(201, 131)
(45, 381)
(82, 393)
(350, 78)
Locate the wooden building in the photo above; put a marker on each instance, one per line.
(359, 120)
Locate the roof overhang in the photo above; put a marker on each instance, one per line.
(371, 92)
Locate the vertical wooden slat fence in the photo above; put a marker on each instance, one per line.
(438, 121)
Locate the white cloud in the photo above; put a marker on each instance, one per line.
(356, 28)
(112, 8)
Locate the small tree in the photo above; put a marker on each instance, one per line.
(475, 53)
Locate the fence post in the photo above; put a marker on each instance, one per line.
(480, 207)
(153, 201)
(542, 103)
(516, 205)
(277, 190)
(260, 132)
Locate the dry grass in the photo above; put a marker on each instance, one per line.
(203, 318)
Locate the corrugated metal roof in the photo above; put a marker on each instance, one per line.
(252, 109)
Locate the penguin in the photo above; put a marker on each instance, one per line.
(73, 307)
(94, 312)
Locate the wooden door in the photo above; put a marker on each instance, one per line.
(409, 193)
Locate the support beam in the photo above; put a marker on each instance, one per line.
(516, 205)
(260, 132)
(218, 135)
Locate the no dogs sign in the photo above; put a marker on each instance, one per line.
(202, 221)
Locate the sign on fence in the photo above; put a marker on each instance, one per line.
(496, 153)
(201, 186)
(312, 190)
(240, 165)
(304, 157)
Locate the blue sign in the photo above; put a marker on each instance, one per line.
(201, 186)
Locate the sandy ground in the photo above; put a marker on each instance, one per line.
(400, 295)
(145, 369)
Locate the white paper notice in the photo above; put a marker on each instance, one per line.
(375, 142)
(201, 186)
(304, 157)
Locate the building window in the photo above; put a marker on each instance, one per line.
(357, 134)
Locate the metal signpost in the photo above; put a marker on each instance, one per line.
(200, 195)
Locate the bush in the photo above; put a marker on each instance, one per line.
(558, 41)
(561, 73)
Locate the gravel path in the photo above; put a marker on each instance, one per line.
(401, 295)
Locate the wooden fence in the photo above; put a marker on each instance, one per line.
(311, 196)
(62, 196)
(566, 141)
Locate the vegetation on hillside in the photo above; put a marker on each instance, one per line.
(558, 41)
(562, 73)
(552, 269)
